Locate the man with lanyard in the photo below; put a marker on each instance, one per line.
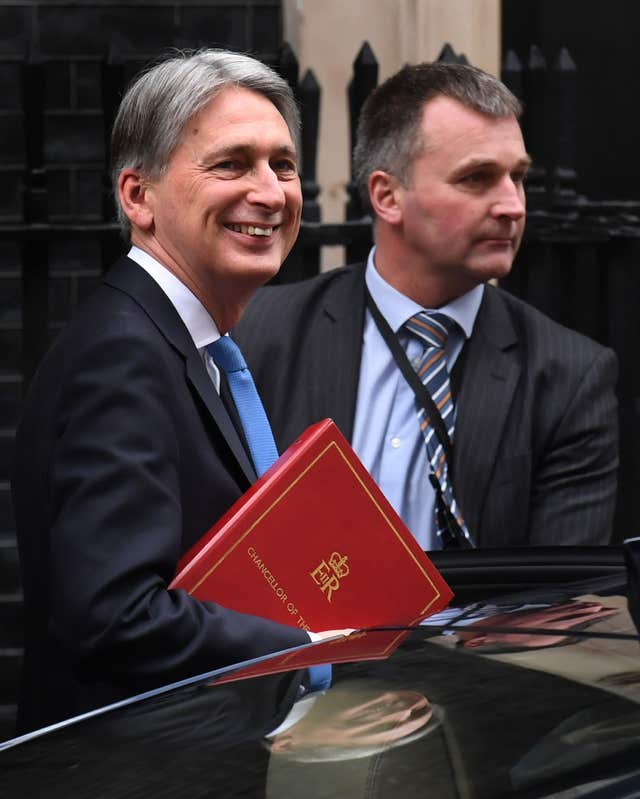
(525, 451)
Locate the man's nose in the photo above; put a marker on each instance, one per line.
(510, 200)
(266, 189)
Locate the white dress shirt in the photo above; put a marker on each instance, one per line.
(202, 329)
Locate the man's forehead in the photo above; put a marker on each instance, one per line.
(239, 119)
(442, 114)
(466, 134)
(237, 105)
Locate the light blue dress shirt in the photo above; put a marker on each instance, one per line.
(386, 433)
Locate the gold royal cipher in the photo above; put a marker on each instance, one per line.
(328, 577)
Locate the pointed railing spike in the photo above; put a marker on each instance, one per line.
(310, 92)
(363, 82)
(511, 62)
(512, 74)
(309, 83)
(537, 128)
(564, 62)
(536, 58)
(288, 66)
(448, 55)
(564, 122)
(366, 57)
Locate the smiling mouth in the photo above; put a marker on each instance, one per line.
(251, 230)
(499, 240)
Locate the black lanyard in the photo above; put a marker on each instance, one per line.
(423, 397)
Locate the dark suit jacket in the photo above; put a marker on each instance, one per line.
(124, 457)
(535, 452)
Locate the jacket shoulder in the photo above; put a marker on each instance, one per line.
(538, 330)
(273, 304)
(326, 282)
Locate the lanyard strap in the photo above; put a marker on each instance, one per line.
(423, 397)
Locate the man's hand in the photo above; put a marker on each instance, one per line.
(329, 634)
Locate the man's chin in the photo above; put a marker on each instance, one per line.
(259, 273)
(494, 269)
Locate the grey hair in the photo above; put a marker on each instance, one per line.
(160, 102)
(389, 135)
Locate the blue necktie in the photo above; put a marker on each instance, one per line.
(257, 431)
(227, 356)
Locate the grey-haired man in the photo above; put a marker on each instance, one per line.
(126, 453)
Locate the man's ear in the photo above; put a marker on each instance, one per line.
(385, 196)
(133, 192)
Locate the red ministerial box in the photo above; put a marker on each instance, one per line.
(359, 645)
(315, 544)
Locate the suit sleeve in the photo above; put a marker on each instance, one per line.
(116, 529)
(574, 485)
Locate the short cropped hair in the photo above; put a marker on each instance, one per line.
(389, 136)
(160, 102)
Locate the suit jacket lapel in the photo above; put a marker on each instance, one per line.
(344, 306)
(129, 277)
(491, 374)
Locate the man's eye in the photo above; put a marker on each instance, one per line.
(474, 178)
(284, 165)
(519, 177)
(227, 165)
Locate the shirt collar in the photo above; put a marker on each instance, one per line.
(397, 308)
(202, 329)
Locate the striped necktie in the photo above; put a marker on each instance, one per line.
(432, 329)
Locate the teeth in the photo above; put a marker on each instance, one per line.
(252, 230)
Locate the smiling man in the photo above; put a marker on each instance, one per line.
(127, 452)
(522, 448)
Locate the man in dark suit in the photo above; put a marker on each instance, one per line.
(126, 453)
(441, 162)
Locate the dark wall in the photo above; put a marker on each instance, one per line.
(602, 37)
(73, 39)
(90, 26)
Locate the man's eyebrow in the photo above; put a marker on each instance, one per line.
(479, 163)
(224, 151)
(525, 162)
(287, 149)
